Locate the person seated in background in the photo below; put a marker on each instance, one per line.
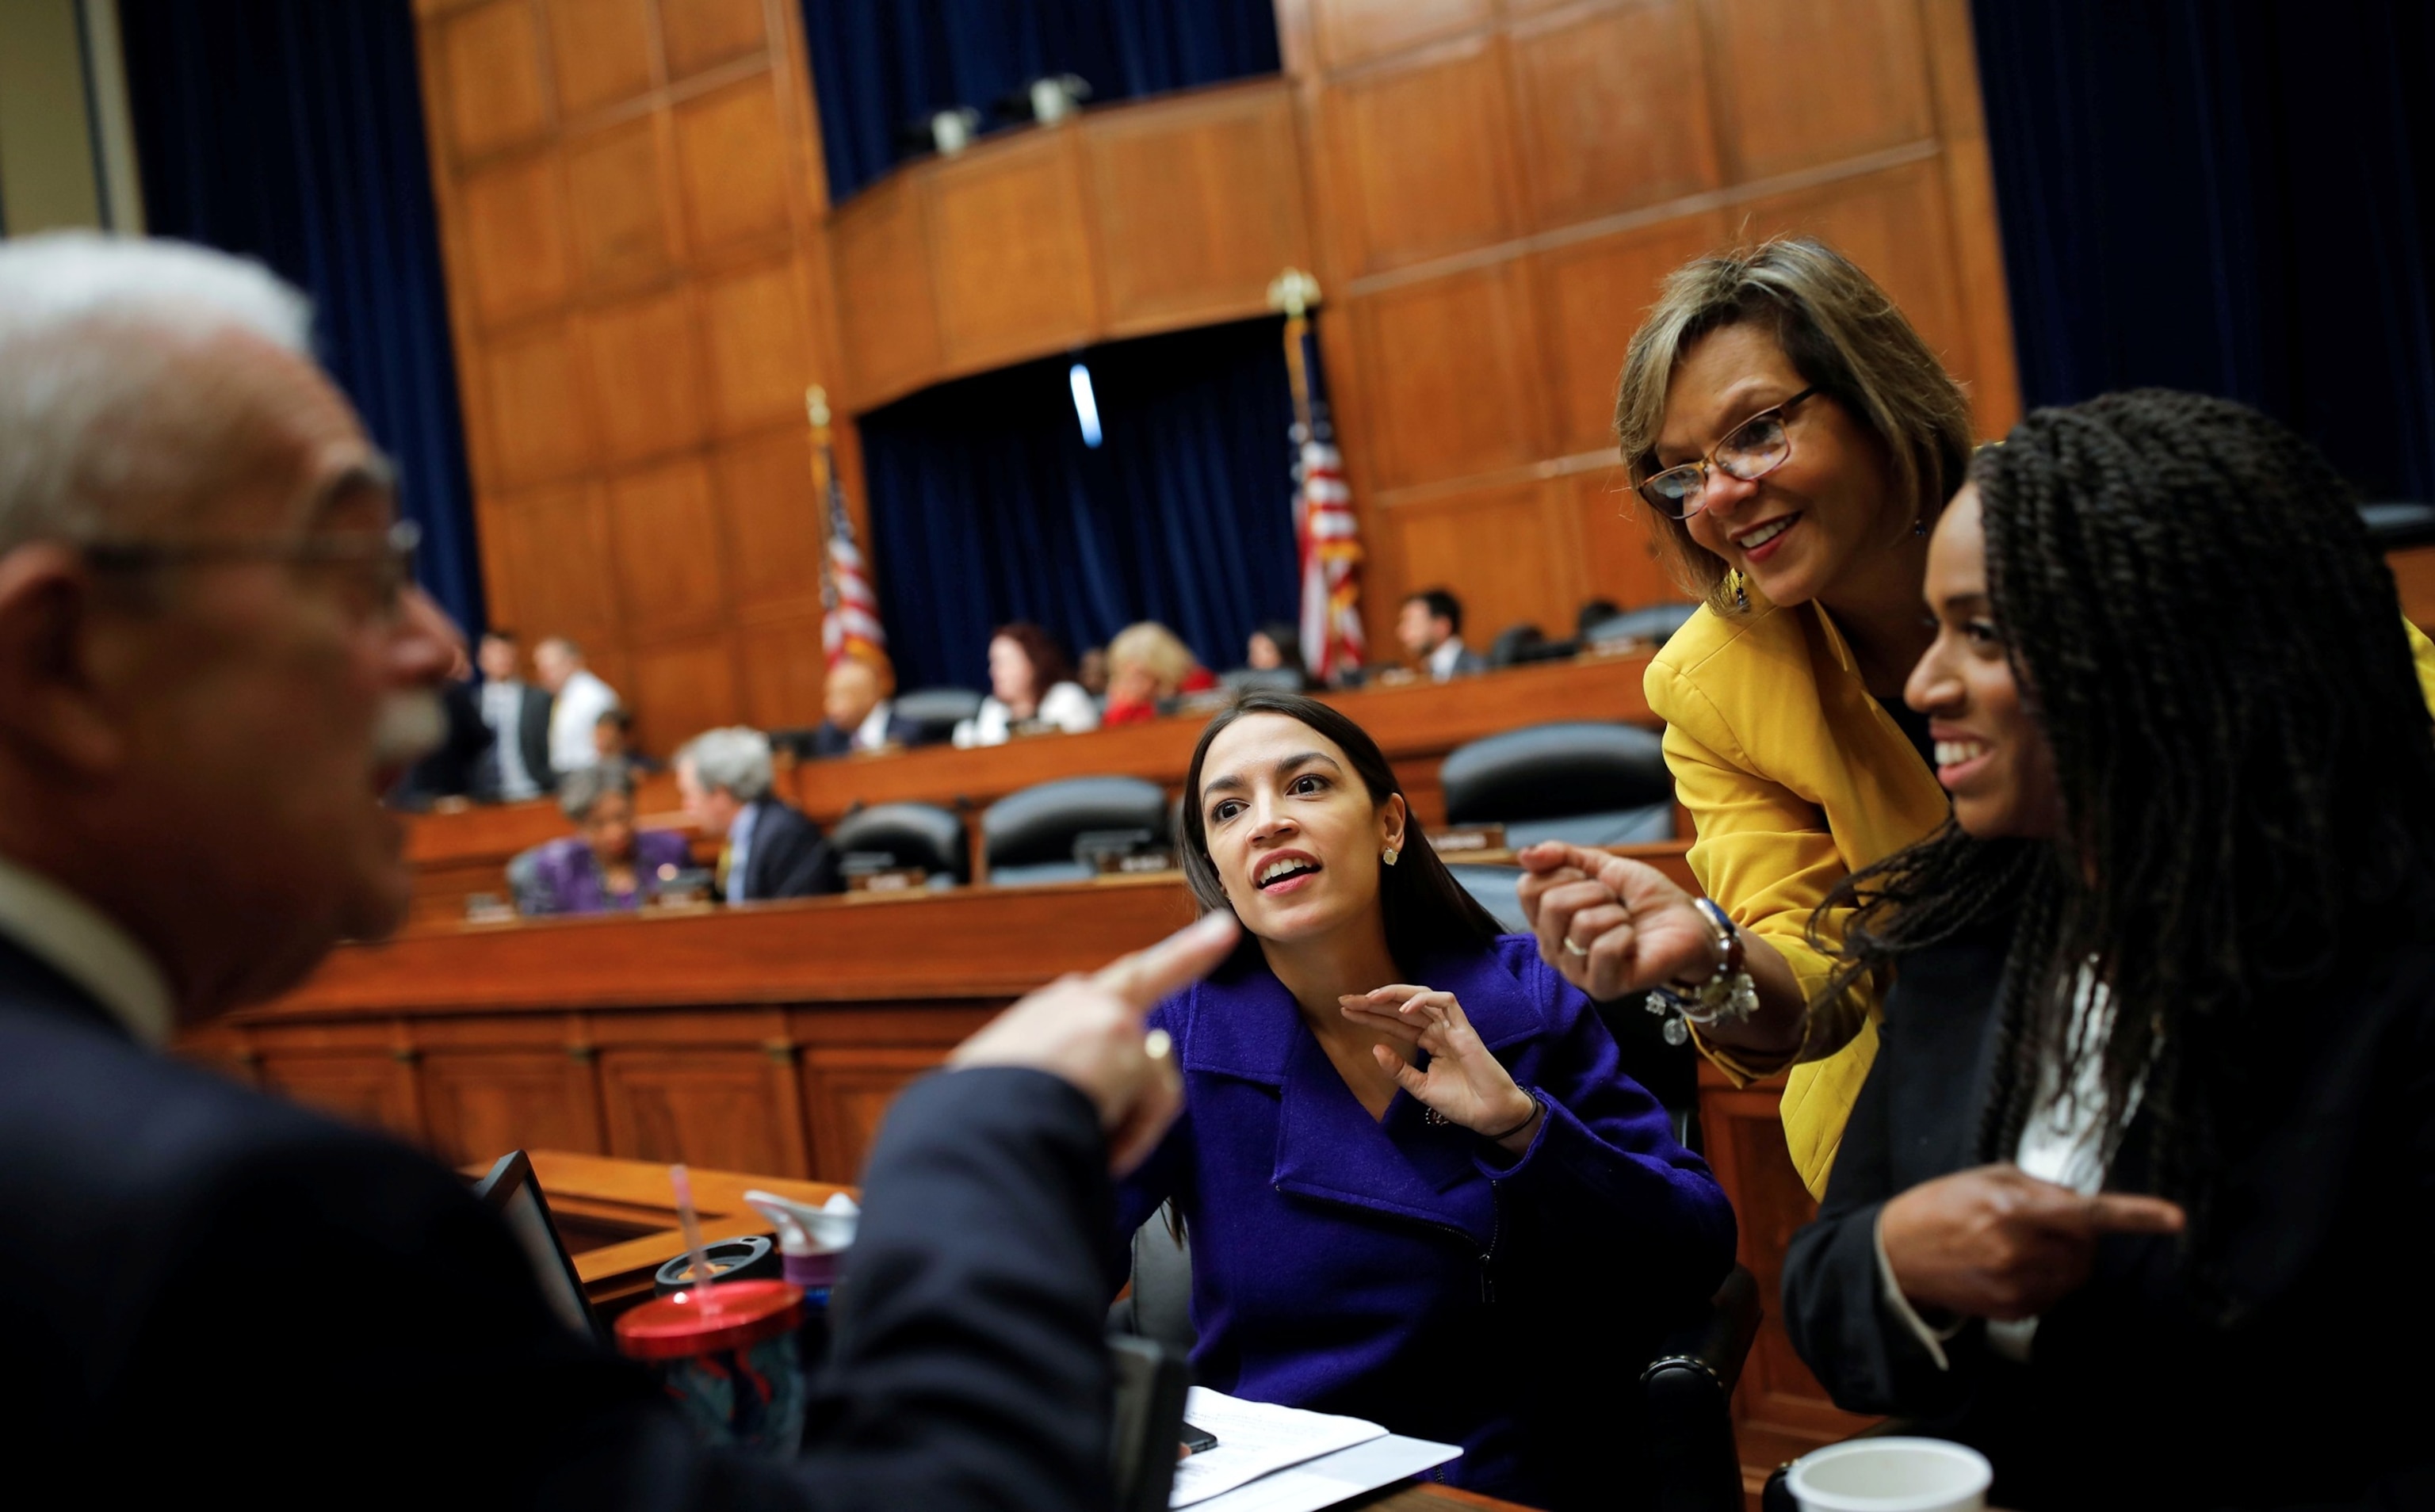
(607, 864)
(859, 715)
(770, 849)
(578, 699)
(1418, 1186)
(1147, 666)
(1031, 688)
(1430, 628)
(1276, 647)
(517, 765)
(156, 395)
(1091, 671)
(2134, 1193)
(612, 740)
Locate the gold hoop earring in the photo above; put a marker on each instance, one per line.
(1388, 855)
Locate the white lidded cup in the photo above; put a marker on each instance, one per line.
(1891, 1475)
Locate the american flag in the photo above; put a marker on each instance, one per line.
(849, 606)
(1325, 531)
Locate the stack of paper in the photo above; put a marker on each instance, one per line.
(1282, 1459)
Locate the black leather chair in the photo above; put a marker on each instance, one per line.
(1588, 782)
(2395, 524)
(1265, 679)
(1656, 624)
(938, 711)
(1519, 645)
(908, 834)
(1029, 836)
(1687, 1388)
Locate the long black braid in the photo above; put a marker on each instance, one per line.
(2212, 648)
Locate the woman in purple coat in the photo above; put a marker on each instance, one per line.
(1418, 1186)
(607, 864)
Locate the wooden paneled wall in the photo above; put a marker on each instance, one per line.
(1155, 216)
(629, 197)
(644, 276)
(1498, 188)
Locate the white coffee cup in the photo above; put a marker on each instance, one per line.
(1891, 1475)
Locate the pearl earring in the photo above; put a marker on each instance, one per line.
(1388, 855)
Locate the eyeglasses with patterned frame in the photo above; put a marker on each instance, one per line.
(1750, 452)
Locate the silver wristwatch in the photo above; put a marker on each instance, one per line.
(1726, 996)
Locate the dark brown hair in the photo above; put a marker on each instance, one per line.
(1048, 664)
(1426, 910)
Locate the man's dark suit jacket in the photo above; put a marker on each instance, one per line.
(2313, 1392)
(214, 1297)
(789, 857)
(830, 739)
(454, 768)
(533, 738)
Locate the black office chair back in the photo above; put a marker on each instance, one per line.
(1029, 835)
(1686, 1386)
(1265, 679)
(1655, 624)
(1549, 771)
(936, 711)
(2396, 523)
(909, 835)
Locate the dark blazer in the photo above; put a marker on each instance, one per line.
(2312, 1392)
(789, 857)
(533, 738)
(454, 768)
(828, 739)
(217, 1296)
(1413, 1273)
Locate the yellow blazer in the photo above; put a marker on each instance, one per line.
(1795, 778)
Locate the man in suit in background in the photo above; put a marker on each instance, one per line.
(1430, 627)
(772, 848)
(517, 765)
(213, 1293)
(860, 715)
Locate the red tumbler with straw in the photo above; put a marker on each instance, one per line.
(724, 1351)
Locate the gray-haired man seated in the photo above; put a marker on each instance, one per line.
(211, 662)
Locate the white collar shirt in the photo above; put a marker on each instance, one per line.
(79, 942)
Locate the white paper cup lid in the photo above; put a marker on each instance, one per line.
(1891, 1475)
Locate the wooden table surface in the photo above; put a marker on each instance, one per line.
(597, 1188)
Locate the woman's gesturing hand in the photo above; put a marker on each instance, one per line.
(1612, 925)
(1462, 1082)
(1995, 1241)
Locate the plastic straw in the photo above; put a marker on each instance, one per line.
(692, 1225)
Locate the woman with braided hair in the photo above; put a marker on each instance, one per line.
(1791, 440)
(2153, 1121)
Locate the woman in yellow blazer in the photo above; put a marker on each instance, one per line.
(1792, 439)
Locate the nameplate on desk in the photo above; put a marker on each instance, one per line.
(1138, 863)
(1466, 839)
(892, 879)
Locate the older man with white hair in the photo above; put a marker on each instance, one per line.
(213, 660)
(769, 848)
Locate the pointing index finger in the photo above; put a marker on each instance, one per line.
(2121, 1212)
(1141, 979)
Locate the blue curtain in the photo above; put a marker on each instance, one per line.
(986, 505)
(878, 65)
(291, 130)
(2226, 198)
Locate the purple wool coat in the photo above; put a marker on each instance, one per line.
(566, 869)
(1415, 1273)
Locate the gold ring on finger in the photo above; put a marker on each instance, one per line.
(1573, 948)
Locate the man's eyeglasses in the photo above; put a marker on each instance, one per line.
(385, 559)
(1750, 452)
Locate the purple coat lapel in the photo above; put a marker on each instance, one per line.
(1246, 1026)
